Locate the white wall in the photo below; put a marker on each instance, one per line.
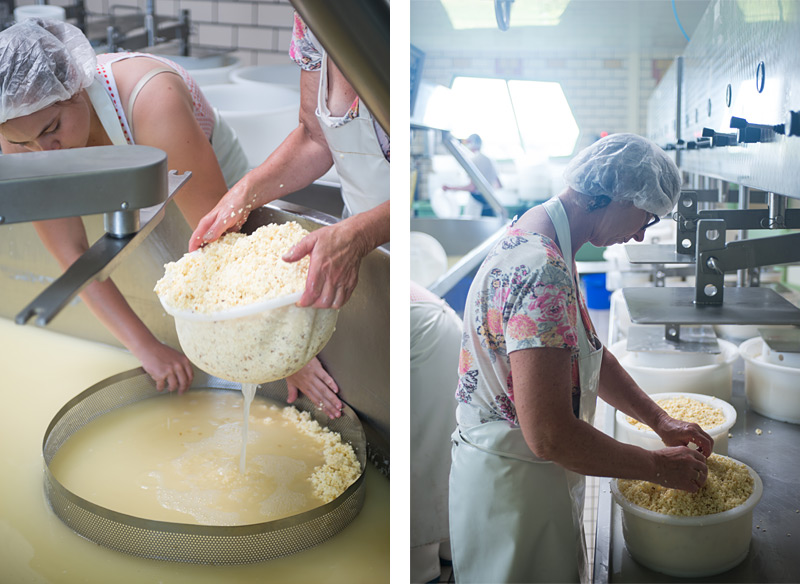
(258, 31)
(607, 90)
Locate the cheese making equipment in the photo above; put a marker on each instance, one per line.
(184, 542)
(727, 112)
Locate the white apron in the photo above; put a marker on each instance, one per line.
(513, 516)
(362, 168)
(232, 159)
(435, 332)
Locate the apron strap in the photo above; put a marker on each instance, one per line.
(555, 210)
(322, 88)
(104, 108)
(558, 216)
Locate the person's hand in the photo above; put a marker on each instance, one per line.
(679, 433)
(333, 271)
(229, 214)
(170, 369)
(315, 383)
(680, 467)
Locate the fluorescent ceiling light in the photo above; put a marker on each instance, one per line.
(465, 14)
(767, 10)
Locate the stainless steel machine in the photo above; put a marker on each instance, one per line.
(729, 113)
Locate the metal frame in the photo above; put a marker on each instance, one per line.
(157, 30)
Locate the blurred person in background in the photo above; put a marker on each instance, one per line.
(486, 167)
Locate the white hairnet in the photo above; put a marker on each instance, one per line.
(626, 167)
(42, 62)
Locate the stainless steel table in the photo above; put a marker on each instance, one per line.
(775, 547)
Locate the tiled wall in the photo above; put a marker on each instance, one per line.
(607, 91)
(258, 31)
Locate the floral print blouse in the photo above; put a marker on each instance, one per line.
(304, 51)
(522, 297)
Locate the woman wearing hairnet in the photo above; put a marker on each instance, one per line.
(531, 368)
(55, 93)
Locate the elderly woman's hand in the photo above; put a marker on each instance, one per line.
(335, 252)
(679, 433)
(318, 386)
(680, 467)
(229, 214)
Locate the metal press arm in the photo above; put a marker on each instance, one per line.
(715, 257)
(114, 180)
(36, 186)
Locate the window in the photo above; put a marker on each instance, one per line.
(514, 117)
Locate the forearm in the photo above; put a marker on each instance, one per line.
(369, 228)
(295, 164)
(584, 449)
(66, 241)
(542, 380)
(109, 306)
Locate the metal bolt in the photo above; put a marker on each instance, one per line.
(124, 206)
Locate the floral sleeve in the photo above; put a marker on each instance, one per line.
(302, 49)
(541, 312)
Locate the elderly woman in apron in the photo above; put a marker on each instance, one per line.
(55, 93)
(335, 128)
(531, 368)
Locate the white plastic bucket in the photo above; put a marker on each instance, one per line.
(262, 115)
(689, 547)
(45, 11)
(209, 70)
(772, 390)
(715, 379)
(628, 433)
(284, 75)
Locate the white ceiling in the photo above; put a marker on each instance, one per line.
(585, 25)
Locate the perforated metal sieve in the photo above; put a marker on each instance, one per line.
(182, 542)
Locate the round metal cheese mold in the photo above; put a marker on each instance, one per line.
(183, 542)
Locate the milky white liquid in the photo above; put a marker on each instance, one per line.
(43, 370)
(174, 458)
(248, 392)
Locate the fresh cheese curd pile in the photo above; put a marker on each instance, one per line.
(729, 485)
(236, 270)
(688, 410)
(341, 466)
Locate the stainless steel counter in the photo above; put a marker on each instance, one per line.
(775, 456)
